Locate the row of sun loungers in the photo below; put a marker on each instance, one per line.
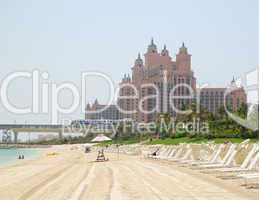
(225, 160)
(222, 158)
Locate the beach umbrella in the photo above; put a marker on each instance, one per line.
(101, 138)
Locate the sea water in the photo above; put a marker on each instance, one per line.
(11, 155)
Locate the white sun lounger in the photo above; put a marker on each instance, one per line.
(245, 166)
(170, 154)
(165, 154)
(177, 153)
(186, 156)
(227, 160)
(213, 158)
(180, 152)
(161, 152)
(251, 175)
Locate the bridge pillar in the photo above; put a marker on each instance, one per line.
(60, 135)
(15, 137)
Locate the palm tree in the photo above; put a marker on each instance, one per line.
(164, 128)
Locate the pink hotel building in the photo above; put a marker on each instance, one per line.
(171, 78)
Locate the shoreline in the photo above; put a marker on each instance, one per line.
(20, 146)
(16, 162)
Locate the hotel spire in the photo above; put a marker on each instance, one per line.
(233, 82)
(183, 49)
(88, 106)
(152, 47)
(165, 51)
(96, 102)
(138, 61)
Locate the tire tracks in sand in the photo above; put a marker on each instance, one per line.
(128, 185)
(50, 179)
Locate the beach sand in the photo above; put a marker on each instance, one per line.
(73, 175)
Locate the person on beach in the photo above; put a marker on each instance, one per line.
(155, 153)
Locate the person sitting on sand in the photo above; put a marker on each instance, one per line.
(155, 153)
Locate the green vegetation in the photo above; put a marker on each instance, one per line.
(174, 141)
(221, 127)
(120, 142)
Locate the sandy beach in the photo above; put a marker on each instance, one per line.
(73, 175)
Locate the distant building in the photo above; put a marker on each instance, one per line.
(212, 99)
(152, 72)
(178, 72)
(93, 112)
(172, 78)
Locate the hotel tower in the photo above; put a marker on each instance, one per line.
(159, 84)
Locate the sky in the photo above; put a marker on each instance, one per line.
(66, 38)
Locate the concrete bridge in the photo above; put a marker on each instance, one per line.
(60, 129)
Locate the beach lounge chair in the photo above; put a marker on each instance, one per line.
(247, 164)
(186, 156)
(178, 153)
(211, 159)
(167, 155)
(252, 165)
(227, 160)
(203, 156)
(157, 152)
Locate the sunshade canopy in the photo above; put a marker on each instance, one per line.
(101, 138)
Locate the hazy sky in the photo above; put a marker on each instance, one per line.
(65, 38)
